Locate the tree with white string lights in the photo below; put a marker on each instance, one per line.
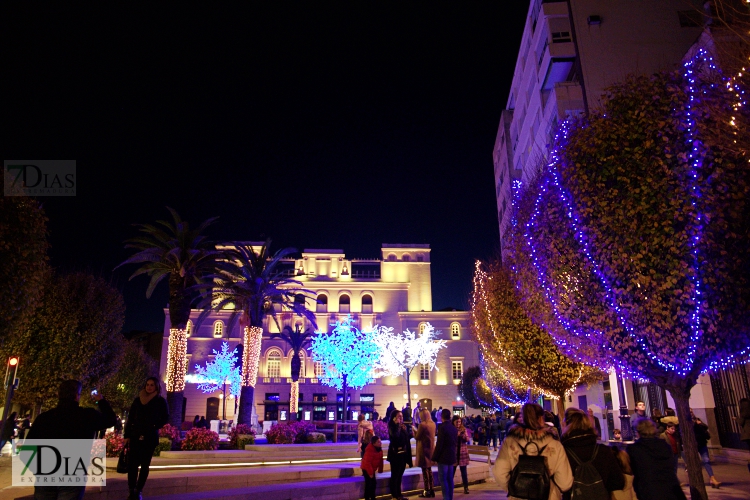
(219, 373)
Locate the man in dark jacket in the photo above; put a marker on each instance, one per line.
(651, 461)
(70, 421)
(445, 453)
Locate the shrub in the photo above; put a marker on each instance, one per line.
(380, 428)
(169, 431)
(115, 442)
(316, 437)
(236, 441)
(302, 429)
(200, 439)
(165, 444)
(288, 433)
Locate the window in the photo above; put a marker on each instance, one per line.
(322, 304)
(320, 398)
(273, 364)
(319, 370)
(218, 329)
(367, 304)
(420, 257)
(188, 328)
(406, 257)
(391, 257)
(272, 408)
(561, 37)
(458, 369)
(301, 364)
(299, 300)
(424, 372)
(344, 304)
(455, 331)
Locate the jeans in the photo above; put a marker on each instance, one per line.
(494, 441)
(59, 492)
(139, 453)
(705, 459)
(445, 474)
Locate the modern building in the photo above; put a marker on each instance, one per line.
(394, 290)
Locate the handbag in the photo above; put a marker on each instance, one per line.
(122, 462)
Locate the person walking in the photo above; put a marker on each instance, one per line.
(519, 437)
(627, 493)
(425, 437)
(702, 436)
(494, 431)
(446, 453)
(372, 461)
(579, 441)
(463, 458)
(9, 430)
(502, 424)
(652, 461)
(415, 418)
(595, 424)
(673, 440)
(69, 421)
(743, 420)
(362, 427)
(148, 414)
(399, 452)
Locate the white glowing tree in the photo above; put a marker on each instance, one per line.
(220, 373)
(401, 353)
(348, 357)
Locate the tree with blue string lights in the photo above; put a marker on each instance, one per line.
(631, 246)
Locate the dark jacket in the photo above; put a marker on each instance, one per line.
(701, 433)
(653, 470)
(146, 420)
(399, 449)
(70, 421)
(446, 451)
(494, 428)
(582, 444)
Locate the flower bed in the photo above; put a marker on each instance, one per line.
(380, 428)
(200, 439)
(115, 443)
(288, 433)
(241, 435)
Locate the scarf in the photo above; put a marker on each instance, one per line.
(145, 398)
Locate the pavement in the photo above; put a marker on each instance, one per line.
(735, 483)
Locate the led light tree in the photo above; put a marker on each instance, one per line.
(298, 341)
(632, 250)
(250, 282)
(220, 373)
(348, 357)
(515, 349)
(183, 255)
(401, 353)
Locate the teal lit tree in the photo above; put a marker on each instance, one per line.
(220, 373)
(348, 357)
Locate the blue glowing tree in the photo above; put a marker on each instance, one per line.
(220, 373)
(348, 357)
(632, 248)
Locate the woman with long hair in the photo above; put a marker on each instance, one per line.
(148, 414)
(425, 437)
(533, 431)
(579, 440)
(463, 452)
(399, 451)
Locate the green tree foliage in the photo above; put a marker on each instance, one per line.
(23, 262)
(122, 385)
(74, 334)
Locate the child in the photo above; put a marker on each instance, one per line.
(627, 493)
(371, 462)
(618, 435)
(366, 439)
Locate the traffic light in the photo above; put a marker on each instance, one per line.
(12, 361)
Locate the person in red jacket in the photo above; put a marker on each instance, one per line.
(371, 462)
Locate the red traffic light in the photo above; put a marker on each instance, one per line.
(13, 361)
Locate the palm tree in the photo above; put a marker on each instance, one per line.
(297, 340)
(172, 250)
(251, 282)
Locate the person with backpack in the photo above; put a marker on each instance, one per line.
(531, 461)
(596, 472)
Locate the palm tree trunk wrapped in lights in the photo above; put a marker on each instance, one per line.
(251, 339)
(176, 360)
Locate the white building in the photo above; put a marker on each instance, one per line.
(394, 291)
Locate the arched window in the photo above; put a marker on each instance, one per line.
(322, 301)
(273, 363)
(367, 303)
(189, 328)
(455, 331)
(301, 364)
(218, 329)
(299, 300)
(420, 257)
(319, 370)
(391, 257)
(406, 257)
(344, 304)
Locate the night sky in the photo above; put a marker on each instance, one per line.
(318, 124)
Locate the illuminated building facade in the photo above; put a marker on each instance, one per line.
(394, 290)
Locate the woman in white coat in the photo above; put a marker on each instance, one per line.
(533, 429)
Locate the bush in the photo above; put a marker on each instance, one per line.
(115, 443)
(241, 435)
(316, 437)
(380, 428)
(171, 432)
(200, 439)
(288, 433)
(165, 444)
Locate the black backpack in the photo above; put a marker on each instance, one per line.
(587, 482)
(530, 477)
